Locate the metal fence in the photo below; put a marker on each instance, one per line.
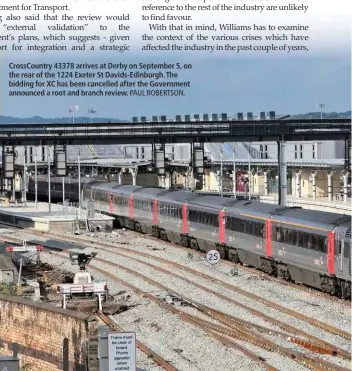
(71, 209)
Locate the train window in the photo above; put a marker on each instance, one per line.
(309, 240)
(300, 239)
(314, 240)
(278, 235)
(194, 216)
(255, 227)
(162, 208)
(190, 215)
(260, 230)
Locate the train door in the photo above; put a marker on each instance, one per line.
(269, 238)
(131, 207)
(222, 224)
(155, 212)
(339, 251)
(184, 219)
(111, 198)
(331, 253)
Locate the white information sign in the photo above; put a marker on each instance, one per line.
(213, 257)
(122, 351)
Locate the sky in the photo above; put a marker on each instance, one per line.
(230, 82)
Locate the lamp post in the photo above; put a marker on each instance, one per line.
(35, 179)
(24, 177)
(72, 111)
(63, 191)
(249, 173)
(321, 105)
(234, 176)
(221, 185)
(92, 111)
(49, 179)
(79, 184)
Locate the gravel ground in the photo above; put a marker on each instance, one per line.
(322, 309)
(151, 317)
(213, 301)
(165, 333)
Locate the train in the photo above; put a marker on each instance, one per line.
(299, 245)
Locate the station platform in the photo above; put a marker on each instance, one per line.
(59, 219)
(320, 204)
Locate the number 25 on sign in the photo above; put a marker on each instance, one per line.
(213, 257)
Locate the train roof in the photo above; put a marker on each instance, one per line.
(256, 208)
(150, 191)
(124, 189)
(177, 196)
(215, 202)
(314, 217)
(105, 186)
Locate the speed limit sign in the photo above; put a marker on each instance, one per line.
(213, 257)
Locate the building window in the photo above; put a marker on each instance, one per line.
(142, 152)
(31, 155)
(313, 151)
(137, 152)
(296, 151)
(263, 149)
(43, 153)
(301, 151)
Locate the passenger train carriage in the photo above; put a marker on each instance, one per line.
(306, 246)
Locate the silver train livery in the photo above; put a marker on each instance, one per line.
(304, 246)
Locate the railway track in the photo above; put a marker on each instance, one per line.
(111, 248)
(235, 328)
(255, 271)
(251, 270)
(224, 334)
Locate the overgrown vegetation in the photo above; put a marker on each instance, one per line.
(7, 289)
(26, 367)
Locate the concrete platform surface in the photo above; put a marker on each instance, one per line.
(42, 212)
(59, 217)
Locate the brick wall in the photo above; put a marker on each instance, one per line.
(40, 330)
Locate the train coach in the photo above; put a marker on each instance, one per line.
(305, 246)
